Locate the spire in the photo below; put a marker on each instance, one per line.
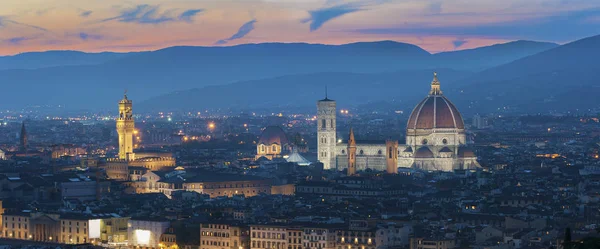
(435, 86)
(351, 141)
(125, 99)
(23, 137)
(326, 92)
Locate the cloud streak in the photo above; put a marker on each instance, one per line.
(458, 43)
(187, 15)
(4, 21)
(152, 14)
(242, 31)
(321, 16)
(543, 28)
(15, 41)
(86, 13)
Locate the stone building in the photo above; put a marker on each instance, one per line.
(118, 168)
(273, 143)
(268, 237)
(435, 140)
(224, 235)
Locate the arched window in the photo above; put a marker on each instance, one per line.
(274, 148)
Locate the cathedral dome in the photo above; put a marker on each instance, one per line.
(273, 135)
(435, 111)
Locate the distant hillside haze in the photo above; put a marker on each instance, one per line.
(90, 81)
(560, 79)
(490, 56)
(34, 60)
(280, 93)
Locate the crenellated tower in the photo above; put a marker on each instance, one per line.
(351, 154)
(125, 127)
(326, 132)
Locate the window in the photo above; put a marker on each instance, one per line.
(424, 141)
(379, 152)
(445, 141)
(362, 152)
(274, 148)
(323, 124)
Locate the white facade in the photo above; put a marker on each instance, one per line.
(435, 140)
(326, 132)
(145, 233)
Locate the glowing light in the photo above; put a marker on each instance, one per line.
(211, 125)
(94, 229)
(142, 237)
(169, 119)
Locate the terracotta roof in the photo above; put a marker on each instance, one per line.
(465, 152)
(273, 135)
(424, 152)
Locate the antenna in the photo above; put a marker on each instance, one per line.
(325, 91)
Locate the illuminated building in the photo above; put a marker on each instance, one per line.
(273, 143)
(146, 233)
(218, 236)
(203, 182)
(268, 237)
(60, 150)
(125, 128)
(118, 169)
(326, 132)
(435, 140)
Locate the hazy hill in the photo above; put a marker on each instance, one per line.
(349, 89)
(490, 56)
(99, 82)
(562, 78)
(33, 60)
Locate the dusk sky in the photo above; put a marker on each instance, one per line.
(435, 25)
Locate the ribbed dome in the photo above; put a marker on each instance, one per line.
(273, 135)
(435, 111)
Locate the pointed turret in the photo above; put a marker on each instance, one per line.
(351, 141)
(23, 137)
(435, 86)
(351, 154)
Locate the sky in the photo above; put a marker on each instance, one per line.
(434, 25)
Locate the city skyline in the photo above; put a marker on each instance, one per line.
(94, 26)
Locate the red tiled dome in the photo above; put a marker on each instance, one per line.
(435, 111)
(273, 135)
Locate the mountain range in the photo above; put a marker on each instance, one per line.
(294, 74)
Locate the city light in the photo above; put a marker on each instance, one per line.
(142, 237)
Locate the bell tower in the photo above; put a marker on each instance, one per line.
(125, 127)
(351, 154)
(391, 158)
(326, 132)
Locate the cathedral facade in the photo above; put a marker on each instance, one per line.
(435, 141)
